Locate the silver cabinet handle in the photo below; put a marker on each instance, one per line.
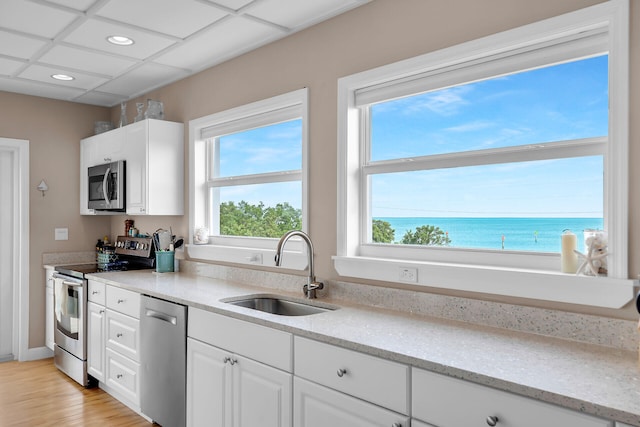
(234, 361)
(120, 301)
(341, 372)
(118, 376)
(230, 360)
(492, 420)
(118, 335)
(95, 293)
(101, 311)
(226, 360)
(396, 425)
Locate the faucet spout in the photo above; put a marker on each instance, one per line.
(312, 285)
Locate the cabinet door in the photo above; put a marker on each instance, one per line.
(318, 406)
(48, 309)
(208, 386)
(95, 340)
(136, 137)
(262, 395)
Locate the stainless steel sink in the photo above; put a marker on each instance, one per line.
(279, 306)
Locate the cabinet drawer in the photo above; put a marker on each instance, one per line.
(256, 342)
(97, 292)
(123, 376)
(367, 377)
(123, 335)
(124, 301)
(449, 402)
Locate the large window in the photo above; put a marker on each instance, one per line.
(463, 167)
(249, 177)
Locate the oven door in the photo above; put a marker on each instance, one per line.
(70, 305)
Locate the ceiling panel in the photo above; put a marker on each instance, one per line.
(86, 60)
(43, 74)
(33, 18)
(229, 38)
(93, 34)
(20, 46)
(178, 18)
(172, 39)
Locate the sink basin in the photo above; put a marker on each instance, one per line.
(279, 306)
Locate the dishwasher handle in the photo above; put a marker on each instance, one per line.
(161, 316)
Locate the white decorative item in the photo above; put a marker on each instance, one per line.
(568, 256)
(140, 115)
(201, 236)
(595, 257)
(155, 110)
(123, 114)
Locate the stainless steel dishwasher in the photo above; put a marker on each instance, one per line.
(163, 351)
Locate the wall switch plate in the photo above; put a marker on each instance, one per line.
(408, 274)
(62, 234)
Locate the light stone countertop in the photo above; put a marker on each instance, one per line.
(597, 380)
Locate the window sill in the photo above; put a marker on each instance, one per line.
(541, 285)
(245, 255)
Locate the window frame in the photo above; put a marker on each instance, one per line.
(243, 249)
(477, 270)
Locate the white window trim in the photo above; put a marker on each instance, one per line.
(352, 260)
(232, 249)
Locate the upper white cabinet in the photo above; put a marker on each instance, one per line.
(154, 155)
(155, 168)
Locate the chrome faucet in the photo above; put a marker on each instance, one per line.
(310, 287)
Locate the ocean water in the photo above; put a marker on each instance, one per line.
(520, 234)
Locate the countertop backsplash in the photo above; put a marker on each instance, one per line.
(608, 332)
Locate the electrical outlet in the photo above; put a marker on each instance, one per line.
(255, 259)
(408, 274)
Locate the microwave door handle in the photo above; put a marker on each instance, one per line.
(105, 186)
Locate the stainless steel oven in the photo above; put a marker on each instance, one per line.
(70, 307)
(107, 187)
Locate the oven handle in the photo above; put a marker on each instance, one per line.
(105, 189)
(69, 282)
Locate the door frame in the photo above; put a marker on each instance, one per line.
(20, 245)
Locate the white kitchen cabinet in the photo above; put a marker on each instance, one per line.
(48, 308)
(95, 340)
(113, 342)
(155, 168)
(449, 402)
(154, 154)
(95, 150)
(228, 389)
(318, 406)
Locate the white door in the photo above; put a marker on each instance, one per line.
(262, 395)
(318, 406)
(7, 188)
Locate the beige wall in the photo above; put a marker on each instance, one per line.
(375, 34)
(53, 129)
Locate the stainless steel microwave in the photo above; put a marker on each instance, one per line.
(107, 187)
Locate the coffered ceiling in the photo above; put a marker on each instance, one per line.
(172, 40)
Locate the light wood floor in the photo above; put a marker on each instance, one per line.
(37, 394)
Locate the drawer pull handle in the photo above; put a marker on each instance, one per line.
(95, 293)
(120, 301)
(101, 311)
(119, 376)
(341, 372)
(492, 420)
(234, 361)
(119, 335)
(396, 425)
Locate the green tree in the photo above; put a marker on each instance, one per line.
(382, 231)
(426, 235)
(245, 219)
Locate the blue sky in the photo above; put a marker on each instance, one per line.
(567, 101)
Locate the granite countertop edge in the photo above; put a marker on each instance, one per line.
(548, 369)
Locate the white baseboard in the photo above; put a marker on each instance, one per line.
(37, 354)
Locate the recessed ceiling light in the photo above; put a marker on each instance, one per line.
(120, 40)
(63, 77)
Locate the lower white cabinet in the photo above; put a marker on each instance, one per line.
(318, 406)
(238, 373)
(449, 402)
(225, 389)
(48, 308)
(95, 340)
